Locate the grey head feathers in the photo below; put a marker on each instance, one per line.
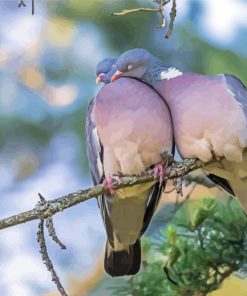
(105, 69)
(133, 58)
(141, 64)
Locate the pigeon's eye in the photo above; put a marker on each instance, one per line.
(129, 67)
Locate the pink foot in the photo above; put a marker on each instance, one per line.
(107, 183)
(159, 173)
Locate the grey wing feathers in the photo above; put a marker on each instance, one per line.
(152, 206)
(95, 156)
(94, 148)
(238, 89)
(95, 153)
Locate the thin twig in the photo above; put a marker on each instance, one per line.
(43, 249)
(191, 190)
(178, 184)
(169, 191)
(126, 11)
(52, 232)
(163, 19)
(32, 7)
(173, 14)
(46, 259)
(50, 226)
(22, 4)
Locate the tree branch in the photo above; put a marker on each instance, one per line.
(126, 11)
(43, 211)
(161, 10)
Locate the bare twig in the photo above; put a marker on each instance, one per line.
(126, 11)
(32, 7)
(49, 225)
(43, 211)
(162, 4)
(173, 14)
(43, 249)
(163, 19)
(43, 201)
(178, 184)
(188, 195)
(169, 191)
(52, 232)
(22, 4)
(46, 259)
(161, 10)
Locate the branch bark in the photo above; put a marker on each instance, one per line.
(46, 259)
(43, 211)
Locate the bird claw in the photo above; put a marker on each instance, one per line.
(108, 183)
(159, 173)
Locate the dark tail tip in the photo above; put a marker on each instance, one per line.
(122, 263)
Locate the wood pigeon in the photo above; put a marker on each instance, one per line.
(105, 69)
(128, 128)
(209, 115)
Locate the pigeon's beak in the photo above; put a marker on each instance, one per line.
(100, 78)
(116, 75)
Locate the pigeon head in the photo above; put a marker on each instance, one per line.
(134, 63)
(104, 70)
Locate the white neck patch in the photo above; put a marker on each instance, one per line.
(170, 73)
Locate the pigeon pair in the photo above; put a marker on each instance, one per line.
(132, 122)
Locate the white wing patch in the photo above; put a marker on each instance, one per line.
(97, 147)
(170, 73)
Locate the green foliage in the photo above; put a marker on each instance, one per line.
(202, 245)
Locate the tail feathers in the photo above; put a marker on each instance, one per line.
(222, 183)
(239, 187)
(126, 262)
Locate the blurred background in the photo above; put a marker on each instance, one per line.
(47, 78)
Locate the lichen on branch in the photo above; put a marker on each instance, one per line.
(48, 209)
